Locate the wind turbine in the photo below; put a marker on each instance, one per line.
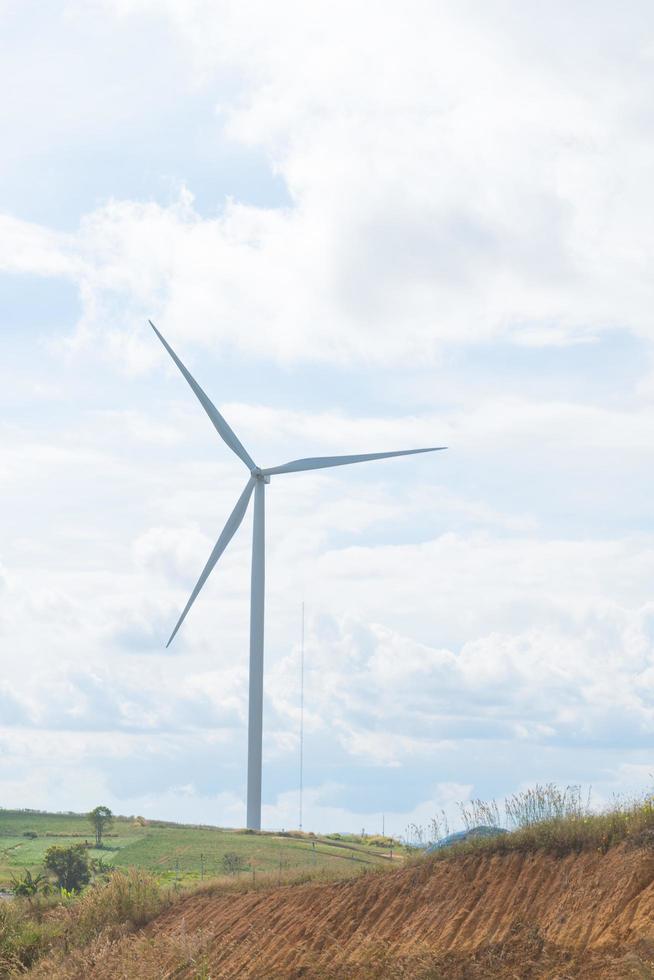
(257, 482)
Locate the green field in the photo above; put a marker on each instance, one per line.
(177, 851)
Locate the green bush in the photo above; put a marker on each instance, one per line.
(69, 865)
(28, 886)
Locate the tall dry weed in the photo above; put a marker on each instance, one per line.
(560, 821)
(32, 929)
(542, 803)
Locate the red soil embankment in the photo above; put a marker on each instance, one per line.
(511, 915)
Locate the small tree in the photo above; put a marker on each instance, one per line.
(101, 818)
(27, 886)
(69, 865)
(233, 863)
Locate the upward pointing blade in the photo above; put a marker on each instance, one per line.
(226, 535)
(319, 462)
(223, 429)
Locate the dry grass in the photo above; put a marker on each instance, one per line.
(30, 929)
(27, 929)
(135, 957)
(54, 937)
(247, 882)
(173, 957)
(560, 822)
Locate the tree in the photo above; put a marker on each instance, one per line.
(69, 865)
(101, 818)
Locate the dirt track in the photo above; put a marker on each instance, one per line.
(518, 916)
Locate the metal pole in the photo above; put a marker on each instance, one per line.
(255, 707)
(301, 714)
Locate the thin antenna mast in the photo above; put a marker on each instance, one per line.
(301, 713)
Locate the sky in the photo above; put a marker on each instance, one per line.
(363, 227)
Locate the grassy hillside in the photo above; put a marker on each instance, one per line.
(569, 893)
(178, 851)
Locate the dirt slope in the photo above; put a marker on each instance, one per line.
(515, 915)
(598, 905)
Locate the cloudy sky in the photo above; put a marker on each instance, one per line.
(363, 227)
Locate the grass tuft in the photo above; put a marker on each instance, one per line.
(560, 822)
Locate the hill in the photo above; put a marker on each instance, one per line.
(472, 915)
(179, 852)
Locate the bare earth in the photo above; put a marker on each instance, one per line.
(511, 916)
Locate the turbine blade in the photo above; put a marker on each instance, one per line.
(319, 462)
(223, 429)
(226, 535)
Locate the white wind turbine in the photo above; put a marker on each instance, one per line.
(258, 479)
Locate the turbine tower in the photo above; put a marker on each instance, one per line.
(257, 483)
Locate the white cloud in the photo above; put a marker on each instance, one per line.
(452, 179)
(28, 248)
(402, 699)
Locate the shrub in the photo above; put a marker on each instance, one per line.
(69, 865)
(27, 886)
(128, 900)
(30, 930)
(233, 863)
(380, 840)
(24, 934)
(101, 867)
